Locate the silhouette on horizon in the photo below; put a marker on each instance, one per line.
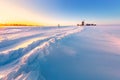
(87, 24)
(83, 23)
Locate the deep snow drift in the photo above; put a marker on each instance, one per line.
(65, 53)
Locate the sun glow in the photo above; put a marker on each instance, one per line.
(10, 13)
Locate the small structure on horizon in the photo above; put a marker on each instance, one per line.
(83, 24)
(90, 24)
(78, 25)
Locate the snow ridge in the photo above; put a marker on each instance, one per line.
(24, 63)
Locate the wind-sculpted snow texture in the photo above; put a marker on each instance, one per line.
(60, 53)
(22, 49)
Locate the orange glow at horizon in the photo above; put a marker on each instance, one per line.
(11, 13)
(23, 22)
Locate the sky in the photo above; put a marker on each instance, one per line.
(65, 12)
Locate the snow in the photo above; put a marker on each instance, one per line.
(64, 53)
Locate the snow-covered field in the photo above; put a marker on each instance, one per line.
(64, 53)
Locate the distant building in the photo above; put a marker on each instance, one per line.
(90, 24)
(83, 23)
